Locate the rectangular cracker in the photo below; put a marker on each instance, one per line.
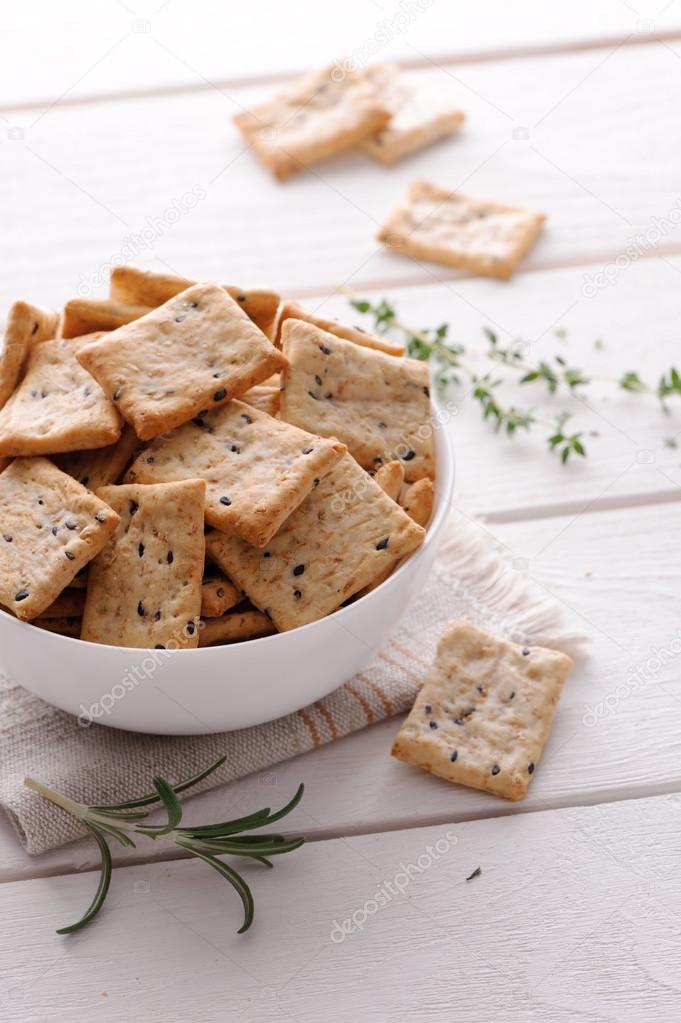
(218, 594)
(319, 115)
(377, 405)
(193, 353)
(257, 469)
(342, 536)
(51, 527)
(132, 287)
(26, 325)
(446, 227)
(485, 711)
(144, 588)
(293, 311)
(235, 627)
(419, 114)
(102, 466)
(57, 406)
(87, 315)
(418, 499)
(390, 478)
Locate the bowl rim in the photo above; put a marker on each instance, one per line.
(441, 509)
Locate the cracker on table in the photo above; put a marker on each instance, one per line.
(319, 115)
(51, 528)
(446, 227)
(485, 711)
(195, 352)
(257, 469)
(88, 315)
(102, 466)
(144, 588)
(342, 536)
(132, 287)
(266, 399)
(418, 499)
(377, 405)
(218, 594)
(26, 325)
(57, 407)
(233, 627)
(390, 478)
(419, 114)
(293, 311)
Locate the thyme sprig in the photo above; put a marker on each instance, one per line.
(207, 842)
(452, 368)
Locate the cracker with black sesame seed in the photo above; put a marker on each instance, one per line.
(218, 595)
(103, 466)
(257, 469)
(132, 287)
(344, 535)
(57, 407)
(446, 227)
(485, 711)
(144, 588)
(194, 353)
(320, 114)
(51, 528)
(26, 325)
(377, 405)
(293, 311)
(235, 627)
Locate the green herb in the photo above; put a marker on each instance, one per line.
(119, 821)
(476, 873)
(451, 368)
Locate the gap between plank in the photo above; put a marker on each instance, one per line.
(600, 504)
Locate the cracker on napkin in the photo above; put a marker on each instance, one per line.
(191, 354)
(419, 114)
(321, 114)
(129, 286)
(257, 469)
(26, 325)
(57, 406)
(377, 405)
(102, 466)
(343, 535)
(293, 311)
(485, 711)
(446, 227)
(144, 588)
(51, 527)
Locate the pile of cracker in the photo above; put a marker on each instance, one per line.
(188, 463)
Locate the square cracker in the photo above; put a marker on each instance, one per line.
(320, 114)
(144, 588)
(193, 353)
(377, 405)
(257, 469)
(26, 325)
(446, 227)
(419, 114)
(291, 310)
(234, 627)
(218, 594)
(342, 536)
(485, 711)
(132, 287)
(58, 406)
(87, 315)
(102, 466)
(51, 527)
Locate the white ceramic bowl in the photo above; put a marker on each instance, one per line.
(216, 689)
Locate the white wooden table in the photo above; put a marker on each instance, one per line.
(111, 112)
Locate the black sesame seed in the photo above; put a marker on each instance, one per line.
(55, 530)
(496, 769)
(219, 395)
(458, 721)
(511, 694)
(328, 395)
(526, 651)
(225, 500)
(235, 449)
(530, 767)
(87, 391)
(480, 689)
(409, 455)
(40, 501)
(299, 569)
(85, 480)
(157, 616)
(317, 482)
(140, 609)
(216, 376)
(44, 393)
(325, 350)
(170, 557)
(308, 451)
(180, 319)
(313, 395)
(454, 755)
(134, 507)
(70, 555)
(100, 517)
(117, 393)
(6, 537)
(159, 646)
(318, 380)
(220, 591)
(426, 391)
(428, 709)
(70, 524)
(140, 550)
(150, 460)
(383, 426)
(383, 544)
(246, 419)
(34, 329)
(433, 724)
(241, 298)
(297, 594)
(21, 595)
(191, 628)
(267, 554)
(193, 305)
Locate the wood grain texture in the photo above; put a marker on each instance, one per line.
(576, 915)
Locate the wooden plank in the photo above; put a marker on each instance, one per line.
(575, 915)
(607, 742)
(166, 181)
(81, 51)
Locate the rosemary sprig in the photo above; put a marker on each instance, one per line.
(451, 368)
(121, 820)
